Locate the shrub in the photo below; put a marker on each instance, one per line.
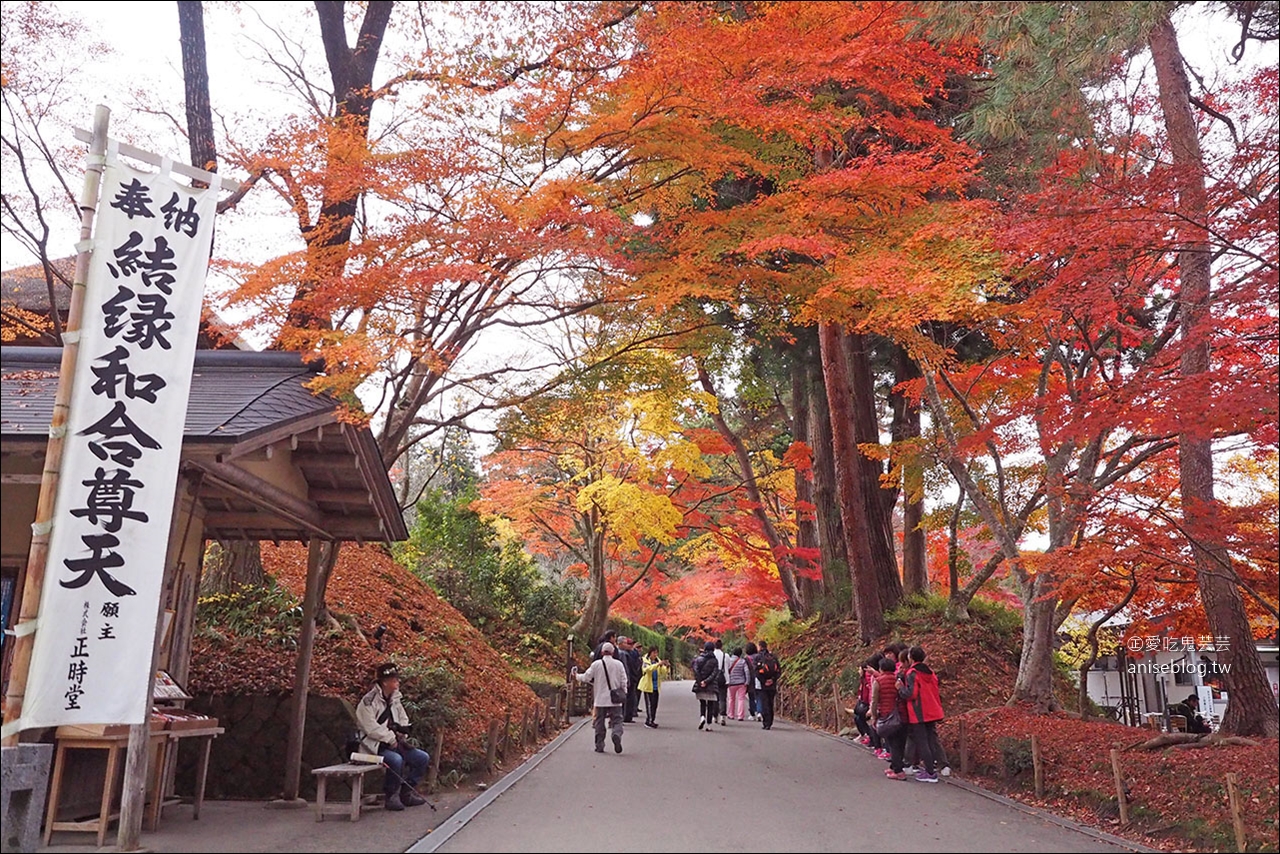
(267, 612)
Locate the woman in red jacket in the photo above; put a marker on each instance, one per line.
(919, 687)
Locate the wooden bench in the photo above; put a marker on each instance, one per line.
(352, 772)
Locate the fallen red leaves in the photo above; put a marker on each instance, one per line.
(374, 590)
(1177, 796)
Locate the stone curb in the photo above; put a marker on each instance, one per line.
(438, 837)
(1045, 815)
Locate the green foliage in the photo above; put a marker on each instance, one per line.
(778, 627)
(432, 697)
(266, 612)
(850, 680)
(459, 554)
(1015, 753)
(924, 611)
(1001, 619)
(674, 649)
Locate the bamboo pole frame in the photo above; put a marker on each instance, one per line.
(38, 555)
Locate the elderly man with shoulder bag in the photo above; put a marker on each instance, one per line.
(608, 676)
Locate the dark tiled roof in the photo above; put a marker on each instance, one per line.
(26, 287)
(235, 394)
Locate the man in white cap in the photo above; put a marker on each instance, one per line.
(609, 678)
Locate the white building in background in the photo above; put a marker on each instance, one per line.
(1146, 685)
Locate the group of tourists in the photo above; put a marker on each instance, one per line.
(897, 713)
(734, 685)
(737, 685)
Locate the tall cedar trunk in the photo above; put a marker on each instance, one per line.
(867, 604)
(351, 71)
(906, 426)
(195, 76)
(780, 549)
(1251, 708)
(836, 583)
(866, 431)
(808, 575)
(231, 564)
(244, 560)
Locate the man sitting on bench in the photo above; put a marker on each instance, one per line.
(383, 726)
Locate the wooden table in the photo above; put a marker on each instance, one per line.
(170, 742)
(115, 745)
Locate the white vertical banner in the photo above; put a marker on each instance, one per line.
(115, 497)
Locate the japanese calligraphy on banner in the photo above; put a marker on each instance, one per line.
(107, 549)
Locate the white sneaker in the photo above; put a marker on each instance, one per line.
(946, 772)
(701, 723)
(724, 721)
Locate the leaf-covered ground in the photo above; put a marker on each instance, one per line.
(1177, 796)
(371, 589)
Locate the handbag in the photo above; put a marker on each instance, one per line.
(888, 726)
(617, 696)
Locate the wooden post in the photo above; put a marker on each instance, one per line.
(835, 690)
(1120, 797)
(32, 580)
(806, 707)
(964, 749)
(433, 773)
(506, 738)
(1237, 819)
(316, 552)
(491, 746)
(555, 709)
(133, 792)
(1038, 765)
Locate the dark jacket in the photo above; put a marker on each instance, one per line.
(635, 667)
(920, 690)
(706, 669)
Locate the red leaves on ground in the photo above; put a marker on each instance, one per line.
(373, 589)
(1177, 795)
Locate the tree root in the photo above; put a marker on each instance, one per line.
(1192, 740)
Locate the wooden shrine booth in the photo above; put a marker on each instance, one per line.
(263, 458)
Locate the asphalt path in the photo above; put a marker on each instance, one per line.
(740, 788)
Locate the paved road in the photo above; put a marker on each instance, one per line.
(741, 789)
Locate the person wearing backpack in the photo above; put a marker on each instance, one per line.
(768, 672)
(919, 687)
(706, 685)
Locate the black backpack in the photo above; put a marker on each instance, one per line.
(768, 670)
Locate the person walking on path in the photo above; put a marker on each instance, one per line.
(768, 672)
(706, 685)
(631, 660)
(650, 678)
(889, 723)
(608, 677)
(384, 724)
(738, 676)
(722, 701)
(919, 687)
(753, 699)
